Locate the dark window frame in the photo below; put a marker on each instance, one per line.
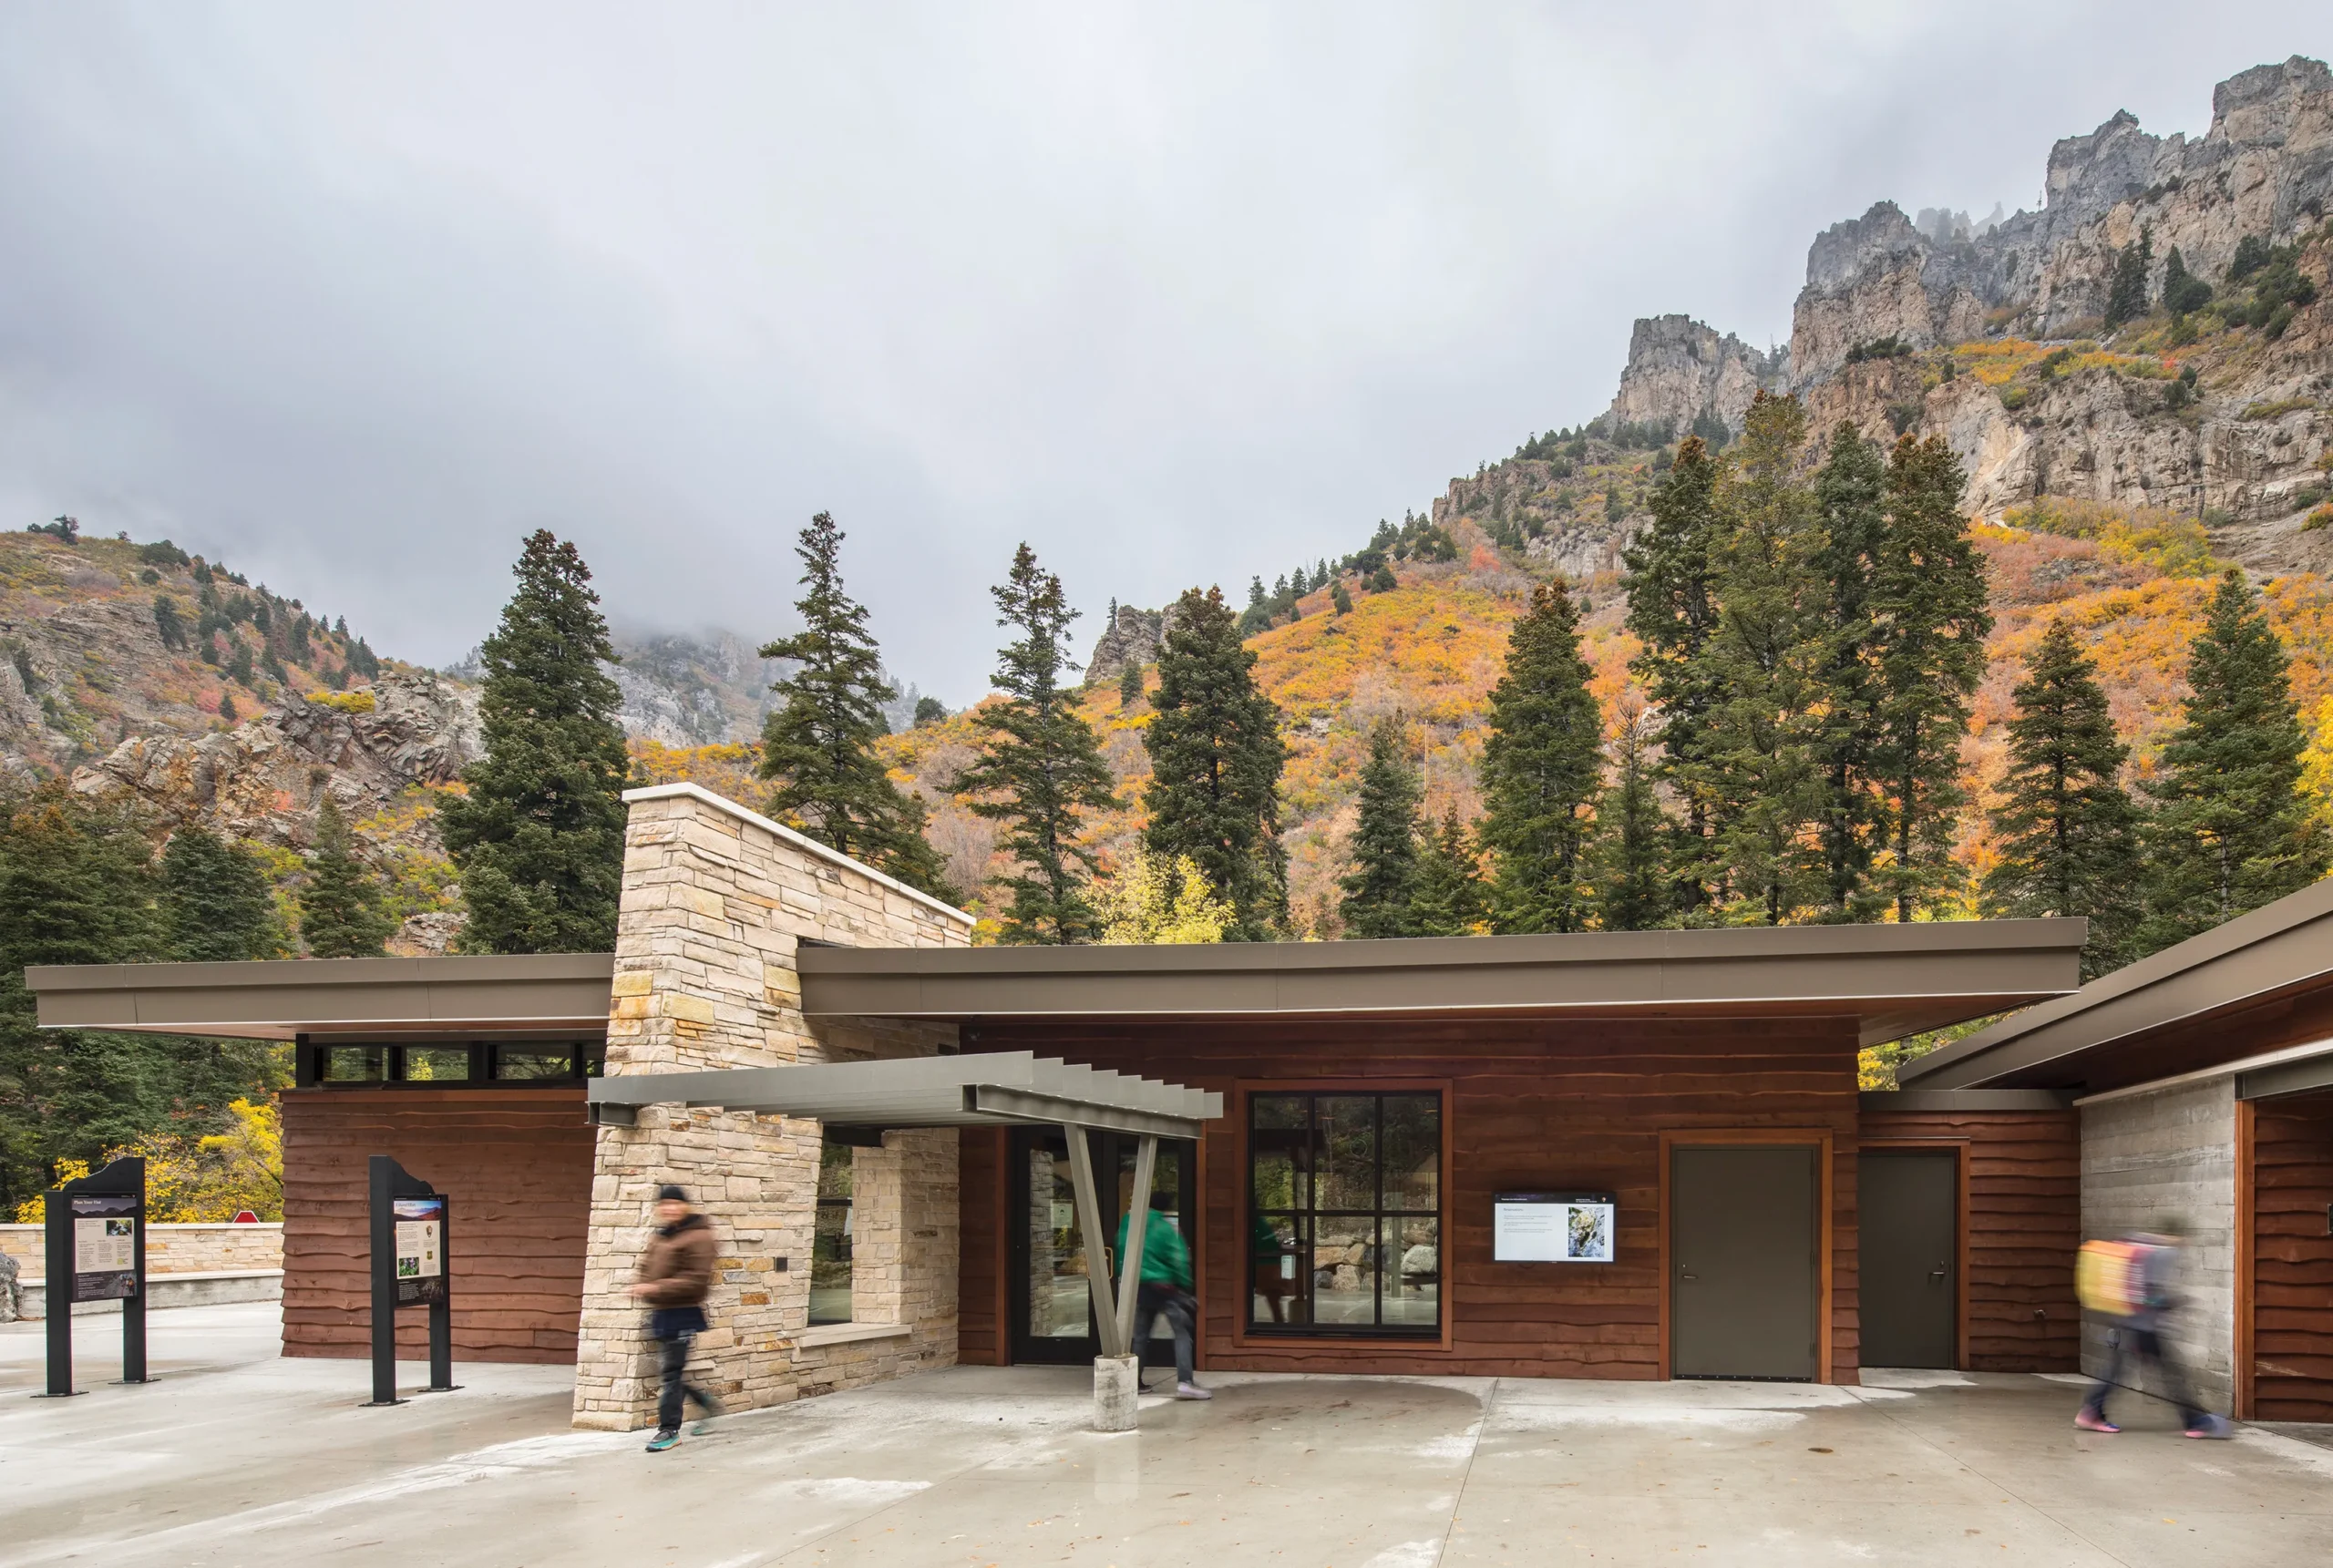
(1254, 1330)
(385, 1065)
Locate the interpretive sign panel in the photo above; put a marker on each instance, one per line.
(420, 1250)
(104, 1249)
(1552, 1227)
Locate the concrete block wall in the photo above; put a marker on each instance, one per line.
(2171, 1153)
(716, 900)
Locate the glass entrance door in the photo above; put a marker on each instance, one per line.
(1053, 1304)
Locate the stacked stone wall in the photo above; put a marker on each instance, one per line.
(715, 901)
(2169, 1155)
(169, 1248)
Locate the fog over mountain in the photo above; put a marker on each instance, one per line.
(354, 301)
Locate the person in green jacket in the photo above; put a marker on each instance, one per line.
(1166, 1287)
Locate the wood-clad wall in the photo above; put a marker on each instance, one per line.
(1533, 1104)
(516, 1163)
(2024, 1224)
(2292, 1259)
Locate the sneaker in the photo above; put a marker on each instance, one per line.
(2091, 1422)
(2212, 1427)
(665, 1437)
(713, 1412)
(1192, 1391)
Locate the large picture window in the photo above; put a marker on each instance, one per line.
(1344, 1214)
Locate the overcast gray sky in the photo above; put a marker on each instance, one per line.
(353, 297)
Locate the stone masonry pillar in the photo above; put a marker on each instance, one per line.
(715, 899)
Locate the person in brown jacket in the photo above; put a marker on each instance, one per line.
(675, 1276)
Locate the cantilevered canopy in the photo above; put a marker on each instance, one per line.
(1000, 1090)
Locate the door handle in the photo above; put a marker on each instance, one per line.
(1935, 1273)
(1682, 1275)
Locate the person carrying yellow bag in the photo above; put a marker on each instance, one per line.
(2127, 1282)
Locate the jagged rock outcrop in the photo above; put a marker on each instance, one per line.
(693, 691)
(1135, 637)
(263, 780)
(2264, 167)
(1679, 369)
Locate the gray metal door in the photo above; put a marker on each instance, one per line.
(1908, 1205)
(1745, 1279)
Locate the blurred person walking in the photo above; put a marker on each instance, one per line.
(2129, 1284)
(675, 1276)
(1166, 1287)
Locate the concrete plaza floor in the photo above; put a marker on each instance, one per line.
(235, 1456)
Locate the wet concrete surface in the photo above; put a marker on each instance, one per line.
(235, 1456)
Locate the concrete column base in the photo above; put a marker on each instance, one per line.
(1117, 1387)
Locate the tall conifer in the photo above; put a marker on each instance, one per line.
(1383, 880)
(2067, 829)
(539, 836)
(1929, 592)
(1216, 756)
(340, 908)
(1673, 611)
(1450, 899)
(1633, 891)
(215, 903)
(1756, 765)
(818, 747)
(2231, 831)
(1542, 771)
(1043, 767)
(1850, 501)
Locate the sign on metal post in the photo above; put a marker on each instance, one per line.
(97, 1252)
(410, 1227)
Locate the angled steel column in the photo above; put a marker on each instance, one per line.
(1145, 1160)
(1097, 1242)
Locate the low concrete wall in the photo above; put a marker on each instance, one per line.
(164, 1291)
(2171, 1155)
(172, 1248)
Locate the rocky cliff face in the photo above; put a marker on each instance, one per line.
(1134, 638)
(1681, 369)
(2264, 167)
(1971, 321)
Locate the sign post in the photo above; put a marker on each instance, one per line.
(97, 1252)
(409, 1232)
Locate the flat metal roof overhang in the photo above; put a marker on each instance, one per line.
(1003, 1089)
(1893, 981)
(281, 998)
(2182, 1010)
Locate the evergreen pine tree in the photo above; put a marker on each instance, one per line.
(340, 909)
(2231, 831)
(820, 745)
(1216, 756)
(1929, 592)
(1541, 772)
(1632, 880)
(1338, 599)
(1042, 768)
(1850, 500)
(2126, 294)
(1384, 876)
(1673, 611)
(215, 903)
(1129, 685)
(1449, 900)
(538, 837)
(1754, 767)
(2067, 830)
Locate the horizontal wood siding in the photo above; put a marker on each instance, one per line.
(1535, 1105)
(2024, 1226)
(517, 1165)
(2292, 1259)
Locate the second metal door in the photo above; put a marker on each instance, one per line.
(1908, 1206)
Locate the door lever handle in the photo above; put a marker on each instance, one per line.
(1682, 1275)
